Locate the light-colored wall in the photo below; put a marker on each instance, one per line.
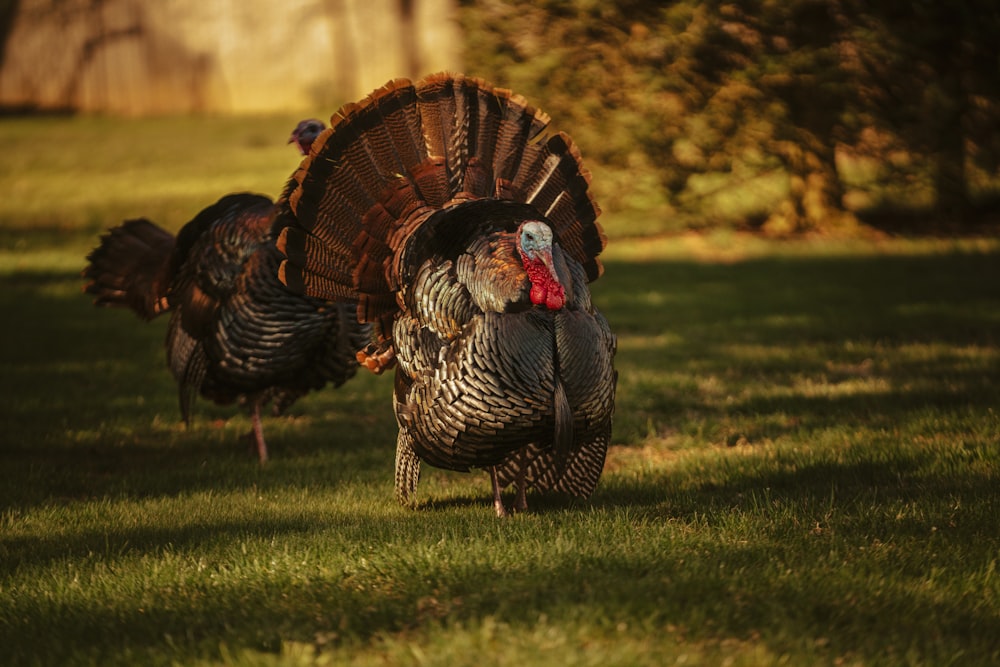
(142, 57)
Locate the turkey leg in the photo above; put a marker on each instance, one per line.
(258, 432)
(521, 501)
(497, 501)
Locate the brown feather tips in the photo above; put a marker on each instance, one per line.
(291, 277)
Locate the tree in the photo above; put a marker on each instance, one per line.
(932, 69)
(725, 92)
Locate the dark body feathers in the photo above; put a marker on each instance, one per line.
(468, 239)
(235, 332)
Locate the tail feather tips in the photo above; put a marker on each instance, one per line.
(130, 268)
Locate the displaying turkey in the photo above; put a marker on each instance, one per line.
(235, 332)
(467, 236)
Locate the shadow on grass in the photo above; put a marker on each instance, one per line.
(757, 589)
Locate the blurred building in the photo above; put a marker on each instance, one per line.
(141, 57)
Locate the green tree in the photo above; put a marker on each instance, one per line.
(785, 62)
(687, 89)
(710, 96)
(931, 68)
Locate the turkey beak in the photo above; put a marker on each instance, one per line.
(546, 257)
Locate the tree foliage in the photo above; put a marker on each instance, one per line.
(790, 115)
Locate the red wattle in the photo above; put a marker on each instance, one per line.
(556, 297)
(537, 294)
(545, 289)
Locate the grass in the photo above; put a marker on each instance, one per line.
(805, 466)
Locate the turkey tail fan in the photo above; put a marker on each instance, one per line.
(130, 268)
(445, 127)
(389, 161)
(368, 145)
(557, 185)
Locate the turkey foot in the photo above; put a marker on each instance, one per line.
(376, 361)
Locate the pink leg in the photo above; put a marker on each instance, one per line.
(497, 502)
(258, 433)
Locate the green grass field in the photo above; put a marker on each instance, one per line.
(805, 465)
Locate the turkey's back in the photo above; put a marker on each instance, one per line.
(236, 331)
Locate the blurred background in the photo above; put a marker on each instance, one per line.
(787, 117)
(143, 57)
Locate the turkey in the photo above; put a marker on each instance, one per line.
(305, 133)
(467, 237)
(235, 334)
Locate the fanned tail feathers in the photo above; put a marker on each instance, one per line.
(408, 149)
(130, 268)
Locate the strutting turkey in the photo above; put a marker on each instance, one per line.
(467, 237)
(235, 332)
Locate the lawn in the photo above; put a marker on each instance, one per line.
(805, 465)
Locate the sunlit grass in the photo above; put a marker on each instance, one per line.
(804, 467)
(67, 175)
